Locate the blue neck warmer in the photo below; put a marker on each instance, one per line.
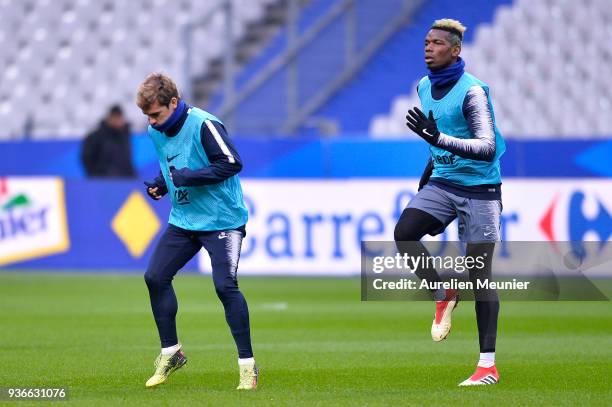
(448, 74)
(174, 117)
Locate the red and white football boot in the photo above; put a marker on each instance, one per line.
(482, 376)
(442, 320)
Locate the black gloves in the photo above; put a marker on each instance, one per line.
(422, 125)
(157, 188)
(180, 178)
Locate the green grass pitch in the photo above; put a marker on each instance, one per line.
(315, 342)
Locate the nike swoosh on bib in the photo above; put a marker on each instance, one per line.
(172, 158)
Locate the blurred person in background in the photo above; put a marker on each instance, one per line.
(462, 180)
(106, 152)
(199, 167)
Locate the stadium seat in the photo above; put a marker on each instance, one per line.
(96, 53)
(539, 58)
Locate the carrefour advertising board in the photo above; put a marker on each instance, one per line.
(296, 226)
(32, 219)
(316, 227)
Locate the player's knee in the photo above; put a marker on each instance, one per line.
(225, 287)
(397, 233)
(403, 233)
(152, 279)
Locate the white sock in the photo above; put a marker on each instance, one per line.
(487, 359)
(246, 361)
(170, 350)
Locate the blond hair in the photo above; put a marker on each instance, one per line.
(157, 87)
(453, 27)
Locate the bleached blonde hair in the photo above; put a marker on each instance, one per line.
(453, 27)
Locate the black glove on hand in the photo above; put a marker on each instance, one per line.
(422, 125)
(180, 178)
(161, 190)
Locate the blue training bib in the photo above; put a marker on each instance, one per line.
(448, 113)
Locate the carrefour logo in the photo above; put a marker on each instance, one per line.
(579, 226)
(32, 218)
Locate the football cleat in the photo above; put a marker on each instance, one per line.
(248, 377)
(442, 320)
(166, 365)
(482, 376)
